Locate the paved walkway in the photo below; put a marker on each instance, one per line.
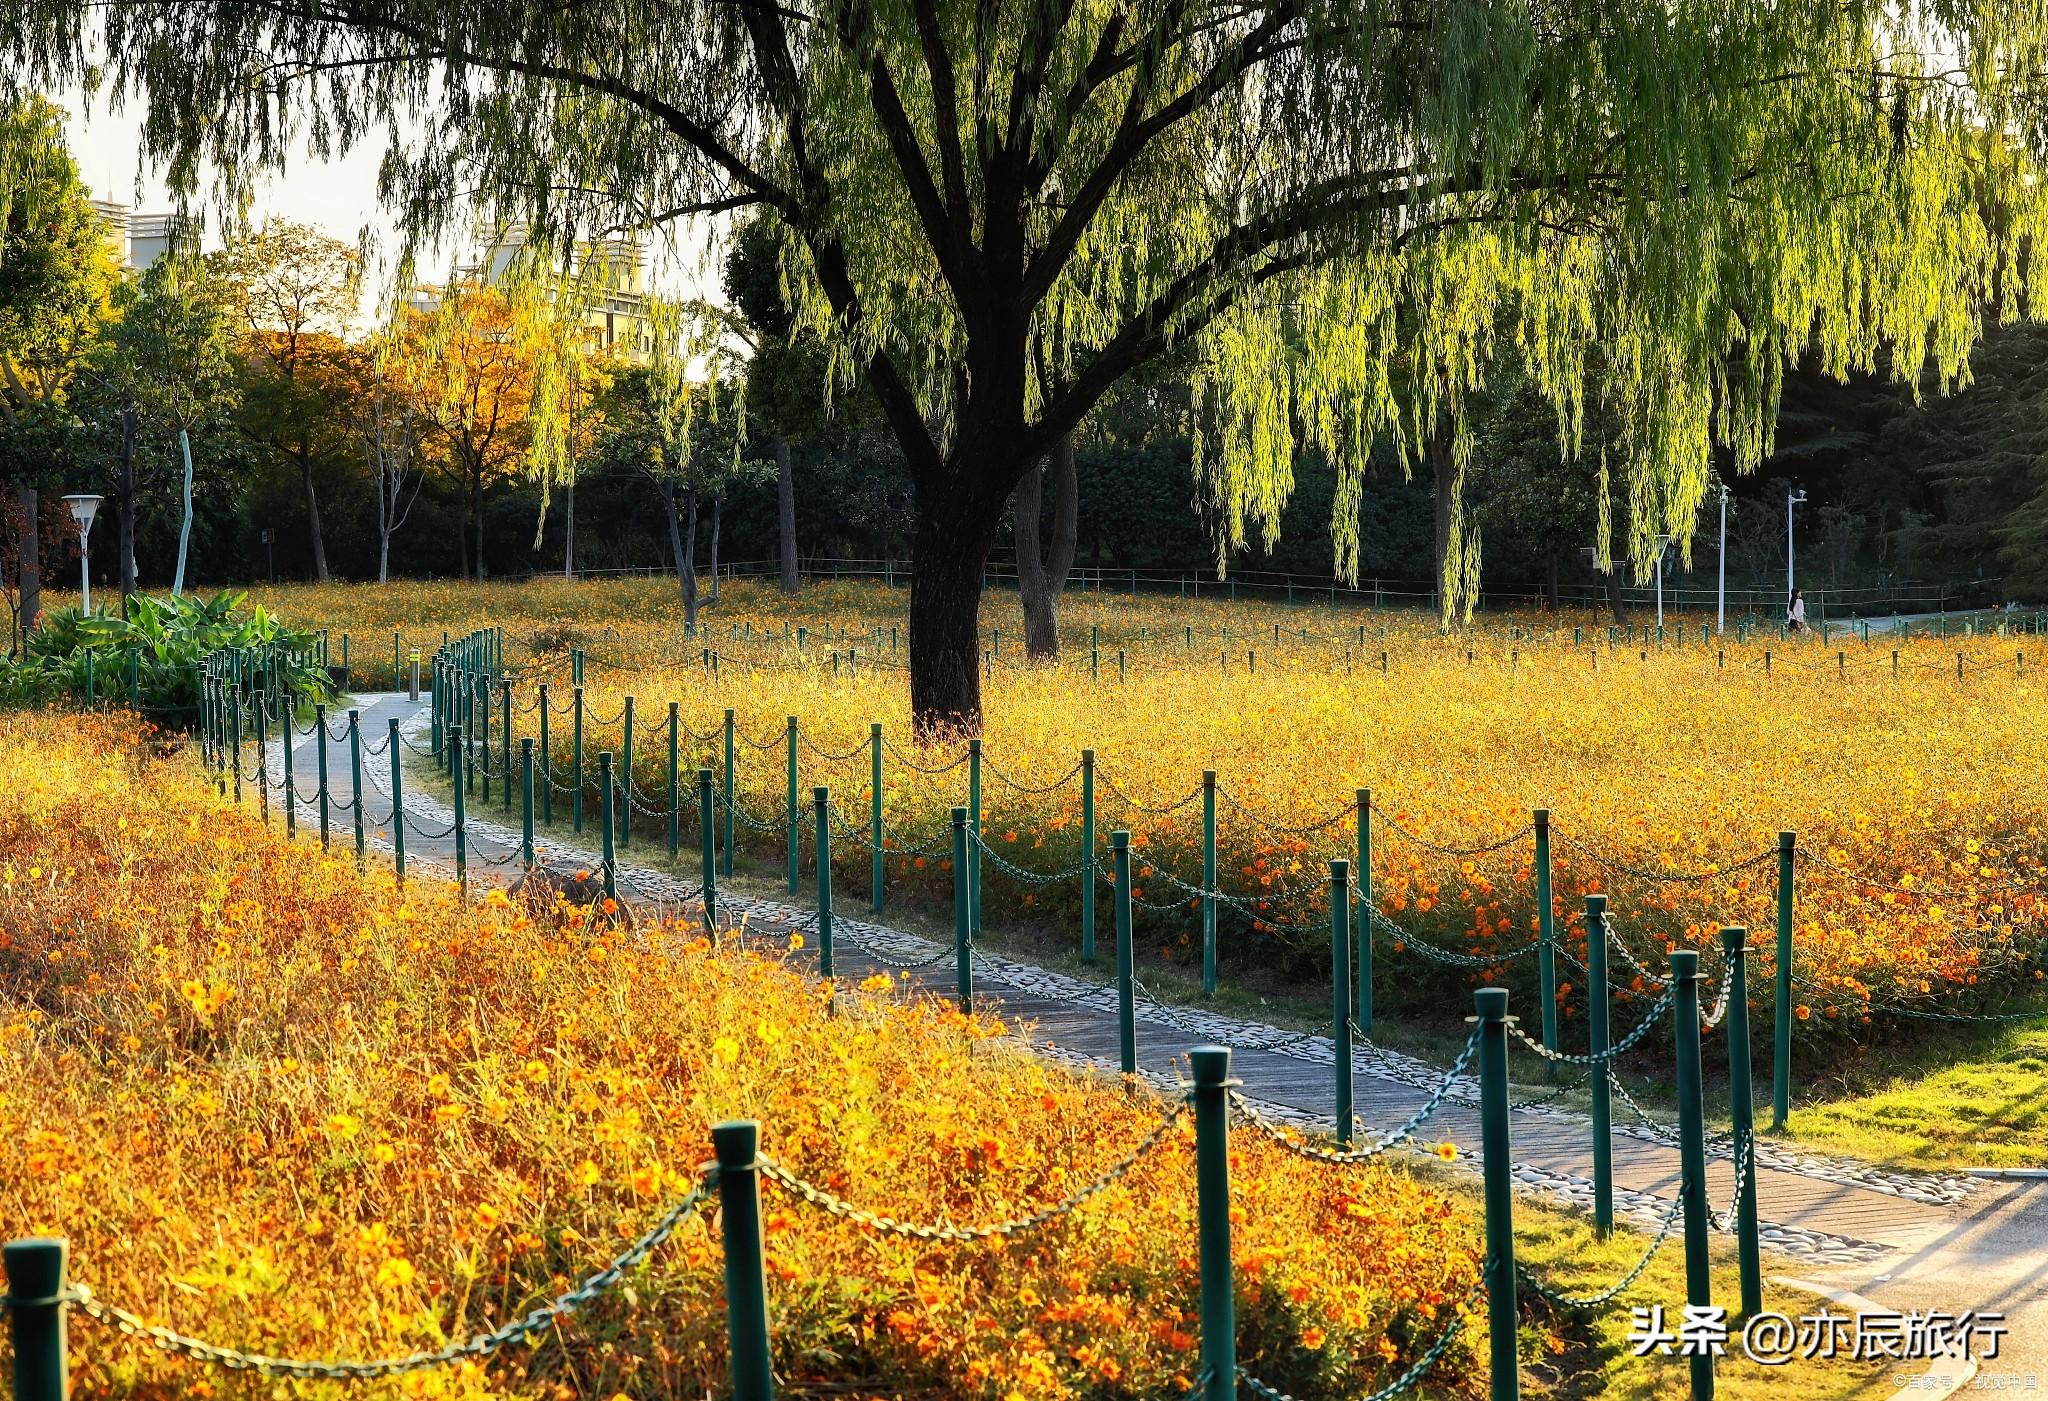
(1906, 1239)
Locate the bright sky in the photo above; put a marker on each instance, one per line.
(338, 197)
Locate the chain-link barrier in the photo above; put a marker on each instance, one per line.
(944, 1231)
(1581, 1302)
(1442, 849)
(1416, 1371)
(1625, 1044)
(1391, 1139)
(593, 1287)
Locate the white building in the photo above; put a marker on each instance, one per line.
(138, 240)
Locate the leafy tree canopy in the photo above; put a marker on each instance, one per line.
(995, 210)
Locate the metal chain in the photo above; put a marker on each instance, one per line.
(1626, 1043)
(593, 1287)
(1109, 786)
(1451, 957)
(1600, 858)
(1408, 1379)
(1027, 789)
(889, 746)
(1230, 800)
(1400, 1135)
(875, 1221)
(1714, 1018)
(1509, 840)
(1613, 1291)
(1745, 1153)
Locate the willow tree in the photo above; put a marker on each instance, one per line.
(1344, 202)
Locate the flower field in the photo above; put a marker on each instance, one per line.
(307, 1112)
(1911, 771)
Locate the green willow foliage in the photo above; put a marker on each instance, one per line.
(996, 209)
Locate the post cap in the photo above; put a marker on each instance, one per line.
(1685, 965)
(1786, 840)
(820, 796)
(1733, 938)
(1119, 838)
(1541, 817)
(735, 1142)
(1340, 872)
(1211, 1066)
(525, 742)
(1208, 778)
(35, 1266)
(1491, 1004)
(1596, 904)
(959, 817)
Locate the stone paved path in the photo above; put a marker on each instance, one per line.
(1908, 1239)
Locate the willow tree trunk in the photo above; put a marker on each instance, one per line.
(1443, 464)
(313, 511)
(31, 562)
(954, 532)
(717, 506)
(682, 544)
(1042, 577)
(785, 505)
(1615, 602)
(569, 532)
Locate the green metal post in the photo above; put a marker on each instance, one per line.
(790, 814)
(1208, 882)
(392, 747)
(605, 791)
(1362, 952)
(355, 774)
(963, 930)
(1781, 1030)
(483, 695)
(974, 825)
(291, 796)
(263, 761)
(1088, 875)
(730, 795)
(505, 742)
(320, 754)
(35, 1307)
(576, 766)
(1742, 1120)
(1546, 951)
(707, 841)
(736, 1144)
(456, 759)
(1596, 1045)
(1211, 1066)
(526, 800)
(876, 834)
(675, 730)
(821, 803)
(1692, 1151)
(547, 761)
(1340, 990)
(626, 779)
(1497, 1160)
(1126, 1007)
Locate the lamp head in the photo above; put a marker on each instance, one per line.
(84, 507)
(1798, 498)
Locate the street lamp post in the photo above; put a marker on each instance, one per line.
(1792, 498)
(84, 507)
(1721, 583)
(1657, 565)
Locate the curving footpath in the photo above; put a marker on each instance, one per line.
(1906, 1240)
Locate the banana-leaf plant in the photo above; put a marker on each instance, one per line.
(74, 654)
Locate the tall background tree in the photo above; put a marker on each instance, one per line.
(297, 290)
(56, 277)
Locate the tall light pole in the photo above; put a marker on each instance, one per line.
(1657, 564)
(84, 507)
(1721, 584)
(1792, 498)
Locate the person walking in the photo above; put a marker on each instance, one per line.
(1795, 612)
